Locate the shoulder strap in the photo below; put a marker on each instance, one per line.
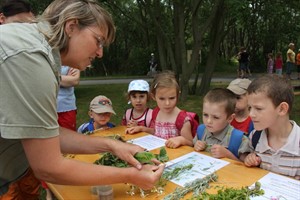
(250, 128)
(200, 131)
(128, 114)
(255, 138)
(155, 113)
(235, 141)
(180, 119)
(148, 117)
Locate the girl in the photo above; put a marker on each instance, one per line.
(138, 117)
(165, 91)
(270, 63)
(278, 63)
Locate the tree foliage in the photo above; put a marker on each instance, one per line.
(193, 36)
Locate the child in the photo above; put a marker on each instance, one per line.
(217, 134)
(242, 120)
(278, 63)
(165, 91)
(137, 118)
(270, 63)
(270, 99)
(100, 113)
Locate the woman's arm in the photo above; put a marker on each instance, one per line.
(47, 162)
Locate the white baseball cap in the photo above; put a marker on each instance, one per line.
(138, 85)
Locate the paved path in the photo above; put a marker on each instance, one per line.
(127, 80)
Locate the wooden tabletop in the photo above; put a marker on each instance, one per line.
(234, 174)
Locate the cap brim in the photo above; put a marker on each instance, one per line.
(103, 110)
(236, 90)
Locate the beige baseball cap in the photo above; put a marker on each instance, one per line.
(239, 86)
(101, 104)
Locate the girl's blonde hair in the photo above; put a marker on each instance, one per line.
(87, 12)
(165, 79)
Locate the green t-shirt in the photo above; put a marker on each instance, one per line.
(28, 89)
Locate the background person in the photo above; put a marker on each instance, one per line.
(298, 63)
(278, 63)
(290, 60)
(15, 11)
(66, 100)
(241, 121)
(70, 33)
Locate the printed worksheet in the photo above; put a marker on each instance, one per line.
(149, 142)
(202, 166)
(278, 187)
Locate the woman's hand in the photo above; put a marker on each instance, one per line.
(147, 176)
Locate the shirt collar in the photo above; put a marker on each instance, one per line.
(292, 145)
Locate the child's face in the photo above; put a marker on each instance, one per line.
(241, 103)
(100, 119)
(262, 111)
(166, 99)
(214, 117)
(139, 101)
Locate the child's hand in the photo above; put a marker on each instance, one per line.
(173, 143)
(132, 123)
(199, 145)
(133, 130)
(252, 160)
(218, 151)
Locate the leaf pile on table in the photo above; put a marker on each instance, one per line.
(108, 159)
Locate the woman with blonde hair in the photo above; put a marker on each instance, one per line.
(71, 33)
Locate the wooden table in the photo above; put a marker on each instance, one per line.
(234, 174)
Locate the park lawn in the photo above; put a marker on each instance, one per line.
(117, 94)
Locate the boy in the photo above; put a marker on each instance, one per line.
(242, 120)
(225, 141)
(270, 98)
(100, 113)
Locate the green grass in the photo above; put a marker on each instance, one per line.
(117, 94)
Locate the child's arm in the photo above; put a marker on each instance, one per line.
(178, 141)
(252, 160)
(136, 129)
(185, 138)
(219, 151)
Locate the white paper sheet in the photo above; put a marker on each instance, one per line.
(202, 166)
(149, 142)
(278, 187)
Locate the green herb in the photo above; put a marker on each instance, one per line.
(232, 193)
(108, 159)
(162, 156)
(198, 186)
(144, 157)
(168, 175)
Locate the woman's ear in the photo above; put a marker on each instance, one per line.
(283, 108)
(70, 27)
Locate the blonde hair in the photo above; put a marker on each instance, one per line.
(87, 12)
(165, 79)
